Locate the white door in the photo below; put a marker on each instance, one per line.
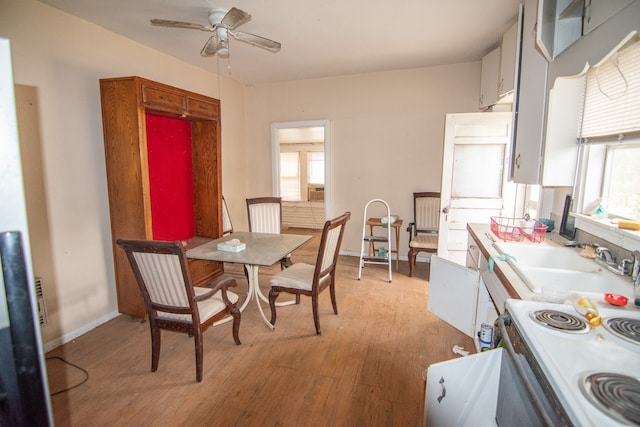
(474, 177)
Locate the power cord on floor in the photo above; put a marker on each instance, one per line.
(86, 373)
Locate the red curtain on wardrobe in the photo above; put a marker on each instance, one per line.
(170, 177)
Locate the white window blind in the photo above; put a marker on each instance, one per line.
(612, 97)
(290, 176)
(316, 167)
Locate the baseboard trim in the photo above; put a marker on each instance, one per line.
(48, 346)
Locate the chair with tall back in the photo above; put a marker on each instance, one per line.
(306, 279)
(265, 216)
(423, 231)
(227, 225)
(171, 300)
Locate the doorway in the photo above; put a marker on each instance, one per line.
(475, 184)
(301, 171)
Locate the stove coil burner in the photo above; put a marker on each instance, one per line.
(560, 321)
(614, 394)
(628, 329)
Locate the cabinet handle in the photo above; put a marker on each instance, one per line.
(518, 161)
(444, 390)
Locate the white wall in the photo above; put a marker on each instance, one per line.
(63, 57)
(387, 132)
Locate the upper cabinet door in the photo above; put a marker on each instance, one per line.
(508, 60)
(489, 79)
(559, 25)
(597, 12)
(527, 150)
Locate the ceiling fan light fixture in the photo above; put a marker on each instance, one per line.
(223, 48)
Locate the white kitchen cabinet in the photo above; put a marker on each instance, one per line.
(563, 122)
(559, 25)
(527, 149)
(597, 12)
(453, 294)
(508, 60)
(459, 296)
(463, 392)
(489, 79)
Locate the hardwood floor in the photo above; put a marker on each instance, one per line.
(366, 369)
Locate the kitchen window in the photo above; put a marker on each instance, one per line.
(610, 134)
(621, 181)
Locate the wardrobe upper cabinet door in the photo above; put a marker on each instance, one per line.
(156, 98)
(201, 108)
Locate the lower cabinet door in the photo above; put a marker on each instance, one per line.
(453, 294)
(463, 392)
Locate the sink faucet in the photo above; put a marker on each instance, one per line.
(604, 255)
(605, 259)
(635, 269)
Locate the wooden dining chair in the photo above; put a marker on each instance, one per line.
(227, 225)
(265, 216)
(172, 302)
(306, 279)
(423, 231)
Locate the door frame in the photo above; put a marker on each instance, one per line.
(275, 155)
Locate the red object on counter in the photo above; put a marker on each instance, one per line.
(616, 299)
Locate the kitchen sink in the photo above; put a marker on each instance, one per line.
(558, 267)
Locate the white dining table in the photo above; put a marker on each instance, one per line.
(262, 249)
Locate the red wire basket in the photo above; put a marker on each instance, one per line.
(509, 229)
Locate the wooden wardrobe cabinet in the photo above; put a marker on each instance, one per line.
(136, 114)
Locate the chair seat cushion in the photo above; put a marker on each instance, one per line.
(424, 241)
(207, 308)
(298, 276)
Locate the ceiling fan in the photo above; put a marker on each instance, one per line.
(223, 23)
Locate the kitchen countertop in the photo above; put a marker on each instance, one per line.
(513, 284)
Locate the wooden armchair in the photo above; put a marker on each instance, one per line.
(305, 279)
(423, 231)
(171, 301)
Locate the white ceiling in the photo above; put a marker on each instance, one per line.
(319, 38)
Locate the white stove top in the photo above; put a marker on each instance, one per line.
(567, 357)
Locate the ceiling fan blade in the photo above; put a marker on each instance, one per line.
(210, 47)
(257, 41)
(179, 24)
(234, 18)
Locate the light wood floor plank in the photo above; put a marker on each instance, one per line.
(366, 369)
